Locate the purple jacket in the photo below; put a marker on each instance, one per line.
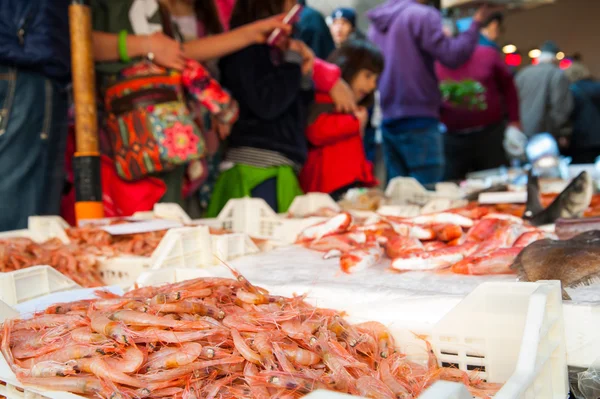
(411, 38)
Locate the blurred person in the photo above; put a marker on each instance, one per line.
(343, 25)
(225, 8)
(196, 19)
(475, 136)
(545, 98)
(274, 87)
(313, 30)
(336, 158)
(585, 141)
(132, 36)
(35, 68)
(411, 36)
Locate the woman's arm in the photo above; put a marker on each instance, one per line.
(167, 52)
(331, 128)
(226, 43)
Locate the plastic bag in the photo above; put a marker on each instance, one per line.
(589, 381)
(515, 142)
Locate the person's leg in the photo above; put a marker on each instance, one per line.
(23, 147)
(56, 128)
(394, 164)
(423, 151)
(267, 190)
(490, 148)
(459, 156)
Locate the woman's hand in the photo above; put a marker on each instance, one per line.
(362, 115)
(167, 52)
(260, 31)
(343, 97)
(308, 57)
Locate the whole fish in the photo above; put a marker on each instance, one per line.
(574, 262)
(571, 203)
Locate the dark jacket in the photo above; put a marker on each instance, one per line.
(336, 158)
(273, 99)
(34, 35)
(586, 114)
(313, 30)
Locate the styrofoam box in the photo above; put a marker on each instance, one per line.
(185, 247)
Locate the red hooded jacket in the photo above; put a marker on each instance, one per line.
(336, 156)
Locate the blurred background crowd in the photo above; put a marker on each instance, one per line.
(196, 105)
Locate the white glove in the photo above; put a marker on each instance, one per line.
(515, 142)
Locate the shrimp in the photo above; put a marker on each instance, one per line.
(101, 324)
(131, 360)
(171, 357)
(344, 331)
(257, 391)
(244, 349)
(81, 385)
(53, 369)
(295, 382)
(101, 369)
(262, 343)
(84, 335)
(198, 308)
(71, 352)
(371, 387)
(383, 336)
(48, 320)
(336, 225)
(167, 375)
(170, 297)
(256, 299)
(150, 335)
(131, 317)
(399, 389)
(300, 356)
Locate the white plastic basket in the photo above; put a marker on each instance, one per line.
(513, 330)
(310, 203)
(41, 228)
(34, 282)
(407, 190)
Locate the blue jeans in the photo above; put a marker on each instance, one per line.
(33, 136)
(414, 152)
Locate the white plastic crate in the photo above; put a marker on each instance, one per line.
(41, 228)
(407, 190)
(513, 330)
(514, 333)
(230, 246)
(310, 203)
(26, 284)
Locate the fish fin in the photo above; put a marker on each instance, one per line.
(534, 205)
(565, 201)
(587, 281)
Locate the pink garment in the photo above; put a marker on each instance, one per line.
(225, 9)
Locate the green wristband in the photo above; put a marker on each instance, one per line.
(123, 47)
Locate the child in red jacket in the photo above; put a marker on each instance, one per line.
(336, 159)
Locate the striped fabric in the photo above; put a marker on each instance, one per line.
(258, 157)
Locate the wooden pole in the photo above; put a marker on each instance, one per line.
(88, 188)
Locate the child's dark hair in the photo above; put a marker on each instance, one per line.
(355, 55)
(206, 12)
(248, 11)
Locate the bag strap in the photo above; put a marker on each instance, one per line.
(167, 24)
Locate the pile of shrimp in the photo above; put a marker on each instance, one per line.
(97, 241)
(79, 258)
(471, 240)
(213, 338)
(20, 253)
